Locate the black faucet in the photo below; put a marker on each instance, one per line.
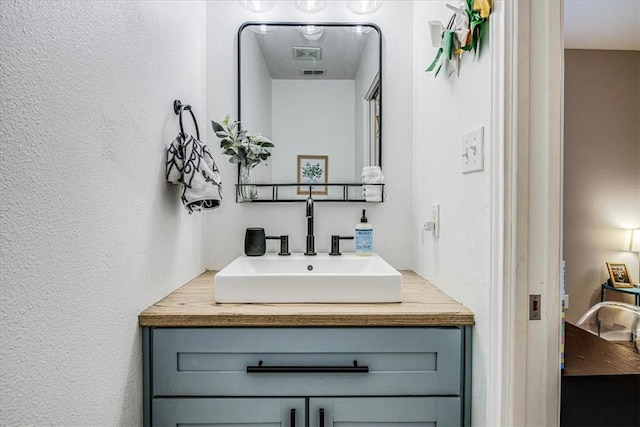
(310, 238)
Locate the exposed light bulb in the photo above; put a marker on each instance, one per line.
(311, 6)
(360, 29)
(311, 32)
(261, 29)
(258, 6)
(364, 7)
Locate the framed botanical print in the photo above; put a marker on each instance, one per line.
(313, 171)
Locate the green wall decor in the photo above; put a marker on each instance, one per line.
(462, 34)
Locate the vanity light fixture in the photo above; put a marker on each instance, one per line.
(364, 7)
(258, 6)
(311, 6)
(359, 7)
(311, 32)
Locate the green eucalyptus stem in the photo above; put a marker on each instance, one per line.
(242, 148)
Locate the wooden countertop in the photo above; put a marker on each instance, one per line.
(192, 305)
(586, 354)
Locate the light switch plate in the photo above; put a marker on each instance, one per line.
(472, 151)
(535, 307)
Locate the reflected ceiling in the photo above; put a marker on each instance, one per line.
(338, 48)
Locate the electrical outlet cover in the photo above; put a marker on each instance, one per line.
(435, 218)
(472, 151)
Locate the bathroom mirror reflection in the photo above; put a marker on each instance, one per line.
(315, 91)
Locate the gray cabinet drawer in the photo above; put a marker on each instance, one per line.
(385, 412)
(214, 361)
(263, 412)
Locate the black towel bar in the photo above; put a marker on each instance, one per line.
(178, 107)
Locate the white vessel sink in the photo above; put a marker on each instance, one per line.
(297, 278)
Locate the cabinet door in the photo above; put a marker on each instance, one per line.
(257, 412)
(385, 412)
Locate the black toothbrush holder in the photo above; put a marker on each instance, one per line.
(255, 243)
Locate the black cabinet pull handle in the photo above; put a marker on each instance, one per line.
(321, 413)
(293, 418)
(355, 369)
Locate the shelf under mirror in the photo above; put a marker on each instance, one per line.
(334, 192)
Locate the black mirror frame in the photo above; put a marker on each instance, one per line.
(325, 24)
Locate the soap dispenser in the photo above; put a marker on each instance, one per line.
(364, 236)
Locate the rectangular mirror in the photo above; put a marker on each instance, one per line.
(315, 91)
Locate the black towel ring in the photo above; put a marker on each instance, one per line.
(178, 107)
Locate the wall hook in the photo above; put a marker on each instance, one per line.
(178, 107)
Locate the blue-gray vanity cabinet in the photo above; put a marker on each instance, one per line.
(392, 376)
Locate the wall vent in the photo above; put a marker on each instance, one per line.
(313, 72)
(307, 53)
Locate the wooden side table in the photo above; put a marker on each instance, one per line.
(630, 291)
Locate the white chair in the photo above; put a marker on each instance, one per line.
(613, 321)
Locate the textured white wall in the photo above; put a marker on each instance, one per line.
(91, 233)
(601, 172)
(225, 229)
(444, 109)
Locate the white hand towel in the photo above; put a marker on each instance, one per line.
(190, 163)
(175, 160)
(372, 175)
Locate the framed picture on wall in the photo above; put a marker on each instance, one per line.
(312, 170)
(619, 275)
